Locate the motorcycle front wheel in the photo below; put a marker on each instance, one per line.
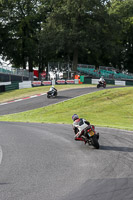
(98, 86)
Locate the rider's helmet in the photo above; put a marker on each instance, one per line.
(52, 87)
(74, 117)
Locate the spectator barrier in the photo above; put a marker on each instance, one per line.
(70, 81)
(36, 83)
(46, 83)
(25, 84)
(6, 86)
(120, 82)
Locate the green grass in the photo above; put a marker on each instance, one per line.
(107, 108)
(15, 94)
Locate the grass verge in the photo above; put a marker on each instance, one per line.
(107, 108)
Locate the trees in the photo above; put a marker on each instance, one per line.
(123, 10)
(96, 32)
(78, 27)
(21, 21)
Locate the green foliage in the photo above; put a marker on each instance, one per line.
(123, 10)
(98, 32)
(78, 26)
(21, 21)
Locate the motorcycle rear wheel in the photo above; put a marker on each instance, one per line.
(95, 142)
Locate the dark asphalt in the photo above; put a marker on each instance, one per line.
(43, 161)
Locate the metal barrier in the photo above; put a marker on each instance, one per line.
(21, 72)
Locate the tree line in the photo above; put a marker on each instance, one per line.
(96, 32)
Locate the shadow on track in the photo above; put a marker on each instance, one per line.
(63, 97)
(109, 148)
(4, 183)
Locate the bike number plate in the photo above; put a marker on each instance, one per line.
(91, 133)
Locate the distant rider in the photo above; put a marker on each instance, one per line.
(52, 89)
(101, 80)
(79, 126)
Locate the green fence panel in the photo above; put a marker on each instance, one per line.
(111, 82)
(87, 80)
(12, 86)
(129, 82)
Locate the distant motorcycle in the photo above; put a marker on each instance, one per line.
(52, 93)
(101, 84)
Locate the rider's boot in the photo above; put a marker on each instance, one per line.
(84, 139)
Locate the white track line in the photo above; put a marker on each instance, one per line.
(22, 99)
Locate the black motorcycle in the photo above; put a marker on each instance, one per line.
(101, 84)
(52, 93)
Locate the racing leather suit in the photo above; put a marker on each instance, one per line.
(79, 125)
(52, 90)
(101, 80)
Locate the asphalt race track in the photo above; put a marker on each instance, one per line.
(44, 162)
(42, 101)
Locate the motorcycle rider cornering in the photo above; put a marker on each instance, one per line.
(84, 131)
(52, 92)
(101, 82)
